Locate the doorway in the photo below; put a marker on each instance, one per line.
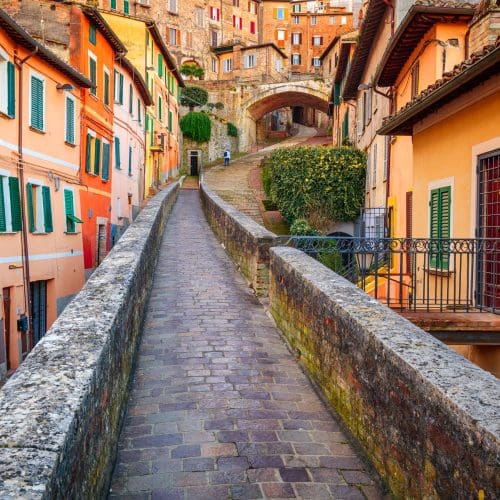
(101, 243)
(38, 310)
(6, 326)
(489, 227)
(194, 162)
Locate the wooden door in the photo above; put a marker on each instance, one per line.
(38, 310)
(6, 325)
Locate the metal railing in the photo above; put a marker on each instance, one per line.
(417, 274)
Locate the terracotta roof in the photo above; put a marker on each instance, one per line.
(20, 36)
(465, 76)
(419, 19)
(369, 28)
(138, 80)
(102, 25)
(346, 42)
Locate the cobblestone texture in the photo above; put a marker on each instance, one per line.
(219, 408)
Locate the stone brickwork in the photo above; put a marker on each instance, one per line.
(245, 241)
(485, 29)
(426, 417)
(61, 412)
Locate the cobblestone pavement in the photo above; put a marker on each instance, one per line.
(219, 409)
(232, 183)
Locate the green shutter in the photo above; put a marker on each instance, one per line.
(139, 113)
(3, 221)
(152, 137)
(117, 153)
(92, 35)
(130, 99)
(126, 8)
(345, 126)
(37, 104)
(160, 65)
(170, 121)
(11, 90)
(88, 160)
(113, 4)
(31, 211)
(97, 156)
(105, 161)
(160, 109)
(70, 120)
(336, 94)
(106, 89)
(121, 88)
(440, 219)
(15, 203)
(130, 160)
(93, 75)
(68, 209)
(47, 209)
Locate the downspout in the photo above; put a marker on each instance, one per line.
(24, 233)
(389, 4)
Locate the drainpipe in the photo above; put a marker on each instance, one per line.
(391, 6)
(24, 232)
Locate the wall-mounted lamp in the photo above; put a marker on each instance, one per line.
(65, 86)
(150, 68)
(365, 86)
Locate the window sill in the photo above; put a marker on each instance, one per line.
(37, 130)
(438, 272)
(39, 233)
(8, 232)
(3, 114)
(70, 144)
(72, 233)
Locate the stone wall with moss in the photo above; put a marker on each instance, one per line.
(426, 417)
(61, 412)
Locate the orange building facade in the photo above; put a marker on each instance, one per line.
(41, 266)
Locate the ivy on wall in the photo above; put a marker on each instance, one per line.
(232, 131)
(196, 126)
(316, 184)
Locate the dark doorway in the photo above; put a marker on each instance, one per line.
(298, 114)
(489, 227)
(194, 162)
(39, 310)
(6, 325)
(101, 243)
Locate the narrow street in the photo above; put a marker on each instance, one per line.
(219, 408)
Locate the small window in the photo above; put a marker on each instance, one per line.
(314, 20)
(39, 208)
(280, 14)
(10, 205)
(93, 154)
(118, 87)
(440, 226)
(92, 35)
(7, 86)
(117, 154)
(105, 160)
(130, 161)
(106, 88)
(93, 74)
(296, 20)
(227, 65)
(69, 211)
(126, 6)
(130, 99)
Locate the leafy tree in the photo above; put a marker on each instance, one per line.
(192, 70)
(196, 126)
(192, 97)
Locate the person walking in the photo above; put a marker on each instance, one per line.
(227, 157)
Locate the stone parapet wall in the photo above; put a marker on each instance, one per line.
(60, 413)
(245, 241)
(426, 417)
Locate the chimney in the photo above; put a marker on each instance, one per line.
(485, 25)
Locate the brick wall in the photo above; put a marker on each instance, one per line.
(60, 413)
(426, 417)
(245, 241)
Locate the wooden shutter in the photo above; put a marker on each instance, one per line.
(11, 90)
(117, 153)
(218, 14)
(241, 23)
(97, 156)
(126, 6)
(275, 13)
(70, 120)
(440, 218)
(15, 203)
(47, 209)
(234, 21)
(170, 121)
(93, 75)
(286, 13)
(92, 35)
(106, 89)
(121, 88)
(88, 159)
(113, 4)
(105, 161)
(37, 104)
(69, 210)
(31, 211)
(160, 65)
(3, 221)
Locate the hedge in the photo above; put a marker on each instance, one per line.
(196, 126)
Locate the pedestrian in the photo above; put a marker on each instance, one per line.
(227, 157)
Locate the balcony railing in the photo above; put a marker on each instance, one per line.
(445, 275)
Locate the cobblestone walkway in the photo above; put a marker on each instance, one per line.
(219, 408)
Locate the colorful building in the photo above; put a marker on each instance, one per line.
(41, 264)
(128, 148)
(149, 54)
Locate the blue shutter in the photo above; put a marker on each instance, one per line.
(121, 88)
(130, 99)
(105, 161)
(11, 90)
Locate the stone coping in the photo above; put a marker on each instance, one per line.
(461, 398)
(68, 388)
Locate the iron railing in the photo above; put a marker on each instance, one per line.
(417, 274)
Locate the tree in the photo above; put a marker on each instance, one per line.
(192, 70)
(196, 126)
(192, 97)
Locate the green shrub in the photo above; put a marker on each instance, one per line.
(232, 130)
(196, 126)
(317, 183)
(192, 70)
(194, 96)
(301, 227)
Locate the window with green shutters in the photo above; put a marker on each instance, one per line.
(39, 208)
(106, 88)
(93, 75)
(97, 157)
(118, 92)
(92, 35)
(37, 105)
(11, 90)
(69, 211)
(126, 6)
(3, 213)
(15, 203)
(130, 99)
(139, 111)
(440, 226)
(105, 161)
(113, 4)
(47, 209)
(88, 153)
(160, 65)
(336, 94)
(130, 161)
(70, 120)
(117, 153)
(170, 121)
(160, 109)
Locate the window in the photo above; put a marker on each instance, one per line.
(93, 154)
(130, 99)
(10, 204)
(278, 64)
(252, 7)
(414, 80)
(237, 22)
(374, 176)
(252, 27)
(172, 36)
(189, 39)
(214, 38)
(93, 73)
(106, 87)
(37, 103)
(296, 7)
(7, 86)
(214, 14)
(69, 132)
(139, 111)
(170, 122)
(236, 3)
(279, 13)
(126, 6)
(105, 160)
(296, 19)
(69, 211)
(332, 19)
(172, 6)
(296, 59)
(113, 4)
(367, 107)
(345, 127)
(314, 20)
(343, 20)
(280, 38)
(159, 109)
(215, 65)
(39, 208)
(200, 17)
(117, 154)
(368, 171)
(316, 62)
(296, 38)
(130, 161)
(387, 152)
(317, 40)
(92, 35)
(249, 61)
(227, 65)
(440, 223)
(118, 88)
